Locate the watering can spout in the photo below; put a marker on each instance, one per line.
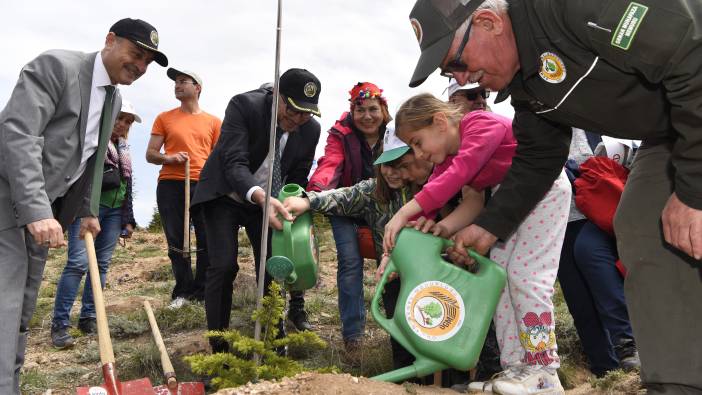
(420, 367)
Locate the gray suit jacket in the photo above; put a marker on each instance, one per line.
(42, 132)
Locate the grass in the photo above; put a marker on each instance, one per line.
(162, 273)
(42, 313)
(128, 326)
(190, 316)
(137, 357)
(141, 361)
(33, 381)
(618, 382)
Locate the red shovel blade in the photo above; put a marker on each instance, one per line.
(192, 388)
(133, 387)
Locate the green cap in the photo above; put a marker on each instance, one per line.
(393, 147)
(434, 23)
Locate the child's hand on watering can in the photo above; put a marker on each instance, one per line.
(296, 205)
(392, 228)
(426, 225)
(381, 269)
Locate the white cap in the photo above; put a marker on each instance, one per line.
(128, 107)
(453, 87)
(173, 74)
(393, 147)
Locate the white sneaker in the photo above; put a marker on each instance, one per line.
(480, 386)
(177, 303)
(531, 379)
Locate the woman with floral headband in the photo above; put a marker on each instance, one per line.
(353, 143)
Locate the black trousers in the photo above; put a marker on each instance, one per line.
(223, 217)
(170, 198)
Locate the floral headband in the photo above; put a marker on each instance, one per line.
(365, 90)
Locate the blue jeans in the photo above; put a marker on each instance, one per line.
(77, 265)
(349, 277)
(593, 291)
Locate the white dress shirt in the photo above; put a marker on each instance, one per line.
(283, 142)
(97, 100)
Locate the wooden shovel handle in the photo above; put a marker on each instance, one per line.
(106, 353)
(186, 215)
(168, 370)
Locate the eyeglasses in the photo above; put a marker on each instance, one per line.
(292, 112)
(474, 95)
(457, 65)
(183, 82)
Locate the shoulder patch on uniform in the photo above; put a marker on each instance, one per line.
(629, 25)
(553, 69)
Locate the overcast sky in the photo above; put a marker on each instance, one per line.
(231, 45)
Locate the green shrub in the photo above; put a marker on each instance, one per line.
(238, 367)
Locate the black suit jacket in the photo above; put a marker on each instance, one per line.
(243, 146)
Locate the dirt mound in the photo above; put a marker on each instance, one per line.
(336, 384)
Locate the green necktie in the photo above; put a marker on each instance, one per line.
(105, 132)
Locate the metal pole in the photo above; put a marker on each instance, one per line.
(269, 158)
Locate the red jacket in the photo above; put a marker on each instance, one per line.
(341, 165)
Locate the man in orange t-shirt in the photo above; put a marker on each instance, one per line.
(185, 133)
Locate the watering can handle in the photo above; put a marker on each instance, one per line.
(287, 237)
(482, 260)
(380, 318)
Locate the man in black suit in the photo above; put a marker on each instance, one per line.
(231, 188)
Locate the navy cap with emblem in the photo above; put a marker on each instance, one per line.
(142, 34)
(301, 90)
(434, 23)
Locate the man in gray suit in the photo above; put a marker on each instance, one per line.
(53, 137)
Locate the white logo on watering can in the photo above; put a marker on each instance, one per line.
(435, 311)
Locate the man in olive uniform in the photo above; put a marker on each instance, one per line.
(632, 69)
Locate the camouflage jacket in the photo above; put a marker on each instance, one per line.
(359, 201)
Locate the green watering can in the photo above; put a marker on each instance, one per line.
(294, 253)
(443, 312)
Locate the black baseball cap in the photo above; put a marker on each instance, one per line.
(142, 34)
(434, 23)
(301, 90)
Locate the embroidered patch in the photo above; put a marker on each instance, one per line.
(553, 69)
(435, 311)
(310, 89)
(154, 37)
(417, 27)
(629, 25)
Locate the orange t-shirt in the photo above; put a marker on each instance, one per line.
(195, 134)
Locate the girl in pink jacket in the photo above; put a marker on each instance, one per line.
(476, 151)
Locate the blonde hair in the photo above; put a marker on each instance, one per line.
(418, 112)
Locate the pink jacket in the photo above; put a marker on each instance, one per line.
(485, 154)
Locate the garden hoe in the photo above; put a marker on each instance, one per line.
(112, 385)
(172, 387)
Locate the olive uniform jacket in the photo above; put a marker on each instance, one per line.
(628, 69)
